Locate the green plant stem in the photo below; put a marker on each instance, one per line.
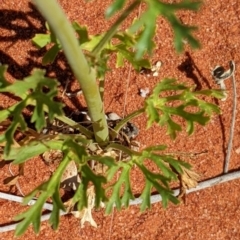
(110, 33)
(84, 74)
(122, 148)
(125, 120)
(75, 125)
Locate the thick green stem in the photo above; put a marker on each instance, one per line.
(56, 18)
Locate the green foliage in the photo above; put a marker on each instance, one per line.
(42, 40)
(162, 109)
(147, 24)
(169, 102)
(116, 188)
(122, 190)
(31, 92)
(116, 6)
(133, 43)
(123, 48)
(72, 148)
(47, 189)
(75, 148)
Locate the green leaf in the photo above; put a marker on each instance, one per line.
(79, 154)
(126, 38)
(18, 88)
(162, 109)
(176, 164)
(3, 82)
(114, 7)
(41, 40)
(181, 33)
(128, 194)
(89, 176)
(159, 180)
(78, 151)
(120, 60)
(217, 93)
(91, 44)
(57, 206)
(144, 45)
(151, 112)
(105, 160)
(183, 5)
(31, 90)
(115, 197)
(147, 23)
(145, 42)
(145, 196)
(172, 127)
(167, 172)
(50, 55)
(9, 133)
(17, 121)
(111, 172)
(34, 148)
(43, 99)
(155, 148)
(80, 197)
(153, 181)
(168, 84)
(47, 189)
(82, 32)
(154, 178)
(129, 55)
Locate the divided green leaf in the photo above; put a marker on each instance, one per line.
(116, 198)
(184, 103)
(47, 189)
(35, 90)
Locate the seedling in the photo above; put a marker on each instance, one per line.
(97, 143)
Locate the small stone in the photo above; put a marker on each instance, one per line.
(113, 116)
(144, 92)
(237, 150)
(155, 69)
(85, 115)
(44, 131)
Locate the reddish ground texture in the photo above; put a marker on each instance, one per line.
(209, 214)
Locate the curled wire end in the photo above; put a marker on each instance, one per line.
(220, 75)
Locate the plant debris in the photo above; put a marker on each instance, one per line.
(86, 214)
(144, 92)
(188, 179)
(70, 178)
(154, 71)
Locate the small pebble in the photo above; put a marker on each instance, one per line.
(155, 69)
(113, 116)
(237, 150)
(44, 131)
(144, 92)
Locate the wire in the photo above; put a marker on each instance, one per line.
(229, 148)
(153, 199)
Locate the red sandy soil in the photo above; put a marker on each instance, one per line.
(213, 213)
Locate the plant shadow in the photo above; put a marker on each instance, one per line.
(19, 26)
(193, 72)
